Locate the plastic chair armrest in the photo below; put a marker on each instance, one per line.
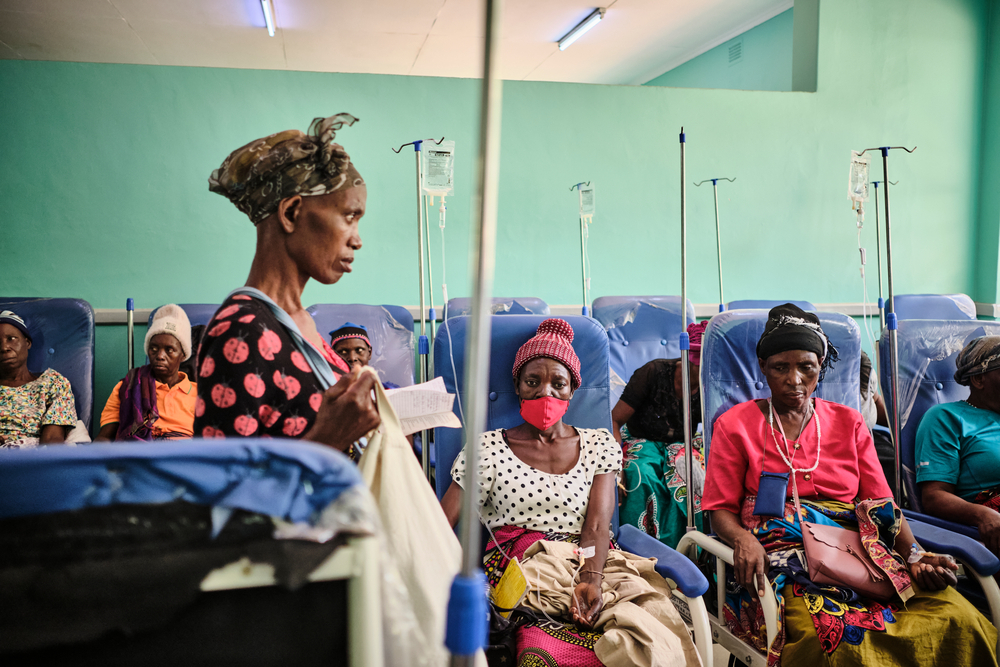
(968, 531)
(669, 564)
(968, 550)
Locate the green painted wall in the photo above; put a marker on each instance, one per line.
(988, 246)
(103, 174)
(766, 64)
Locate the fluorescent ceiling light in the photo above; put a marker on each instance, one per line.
(266, 6)
(582, 27)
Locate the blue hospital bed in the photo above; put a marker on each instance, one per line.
(62, 332)
(730, 374)
(590, 408)
(162, 553)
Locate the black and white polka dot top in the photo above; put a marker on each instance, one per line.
(512, 493)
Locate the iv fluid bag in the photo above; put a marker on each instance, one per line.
(439, 168)
(587, 201)
(857, 185)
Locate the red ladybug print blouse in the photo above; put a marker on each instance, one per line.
(252, 381)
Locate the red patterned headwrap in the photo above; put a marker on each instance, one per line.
(552, 340)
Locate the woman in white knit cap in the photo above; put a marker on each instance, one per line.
(156, 401)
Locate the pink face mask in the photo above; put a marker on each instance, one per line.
(543, 412)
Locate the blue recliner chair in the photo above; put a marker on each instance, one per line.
(164, 553)
(768, 304)
(927, 353)
(390, 329)
(590, 408)
(730, 374)
(501, 305)
(62, 332)
(934, 307)
(640, 329)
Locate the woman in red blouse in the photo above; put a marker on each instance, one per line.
(826, 452)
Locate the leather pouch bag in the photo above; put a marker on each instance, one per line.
(835, 556)
(771, 494)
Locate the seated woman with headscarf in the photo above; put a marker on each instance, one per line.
(264, 370)
(958, 446)
(648, 422)
(351, 343)
(544, 487)
(155, 401)
(827, 451)
(34, 409)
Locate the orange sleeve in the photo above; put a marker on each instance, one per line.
(112, 409)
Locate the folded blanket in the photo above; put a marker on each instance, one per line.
(640, 624)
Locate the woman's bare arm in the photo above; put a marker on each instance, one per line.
(750, 562)
(621, 414)
(452, 503)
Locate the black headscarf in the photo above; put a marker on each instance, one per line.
(791, 328)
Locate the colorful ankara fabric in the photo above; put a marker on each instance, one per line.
(24, 410)
(655, 498)
(252, 381)
(959, 444)
(658, 411)
(512, 493)
(259, 175)
(544, 643)
(846, 629)
(742, 446)
(553, 339)
(981, 355)
(169, 416)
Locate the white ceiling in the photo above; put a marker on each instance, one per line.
(637, 40)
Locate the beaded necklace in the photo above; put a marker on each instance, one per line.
(787, 458)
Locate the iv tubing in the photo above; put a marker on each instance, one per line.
(468, 601)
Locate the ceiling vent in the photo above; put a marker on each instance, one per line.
(736, 50)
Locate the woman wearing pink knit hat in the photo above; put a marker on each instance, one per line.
(545, 481)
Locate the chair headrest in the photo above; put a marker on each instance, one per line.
(501, 305)
(730, 373)
(390, 330)
(934, 307)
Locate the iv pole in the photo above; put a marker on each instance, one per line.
(583, 251)
(878, 256)
(467, 614)
(130, 331)
(718, 233)
(685, 344)
(423, 345)
(891, 320)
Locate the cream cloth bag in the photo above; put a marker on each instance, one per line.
(421, 541)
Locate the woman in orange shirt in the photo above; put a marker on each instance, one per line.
(156, 401)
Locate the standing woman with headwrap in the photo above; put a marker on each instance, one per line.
(958, 446)
(826, 452)
(263, 369)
